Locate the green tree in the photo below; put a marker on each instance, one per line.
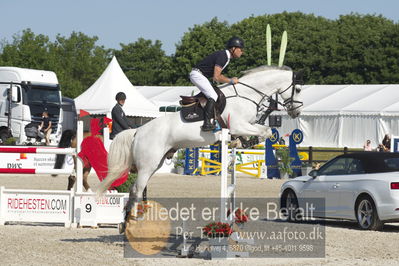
(199, 42)
(78, 62)
(144, 62)
(27, 50)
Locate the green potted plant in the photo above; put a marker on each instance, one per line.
(285, 160)
(10, 141)
(178, 161)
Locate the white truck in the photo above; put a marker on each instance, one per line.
(24, 95)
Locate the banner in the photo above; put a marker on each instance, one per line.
(296, 138)
(215, 156)
(270, 158)
(191, 161)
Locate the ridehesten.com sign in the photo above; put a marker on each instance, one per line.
(36, 206)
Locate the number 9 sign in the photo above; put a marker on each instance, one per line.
(88, 207)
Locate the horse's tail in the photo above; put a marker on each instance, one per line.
(65, 142)
(120, 158)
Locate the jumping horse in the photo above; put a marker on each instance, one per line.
(146, 148)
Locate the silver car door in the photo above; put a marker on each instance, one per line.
(313, 192)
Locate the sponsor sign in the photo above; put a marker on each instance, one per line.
(90, 211)
(32, 160)
(270, 158)
(36, 206)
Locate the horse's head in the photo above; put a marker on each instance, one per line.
(261, 83)
(292, 95)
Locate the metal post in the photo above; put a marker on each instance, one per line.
(310, 155)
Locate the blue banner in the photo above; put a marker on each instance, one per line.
(215, 156)
(395, 141)
(191, 161)
(270, 158)
(296, 138)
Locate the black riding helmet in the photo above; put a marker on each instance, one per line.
(120, 96)
(235, 42)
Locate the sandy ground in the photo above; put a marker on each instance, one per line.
(43, 244)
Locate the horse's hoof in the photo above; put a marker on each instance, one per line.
(122, 227)
(235, 143)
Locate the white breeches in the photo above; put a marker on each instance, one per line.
(203, 84)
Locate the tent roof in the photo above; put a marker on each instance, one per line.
(100, 97)
(166, 95)
(379, 99)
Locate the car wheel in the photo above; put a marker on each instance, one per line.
(290, 203)
(366, 214)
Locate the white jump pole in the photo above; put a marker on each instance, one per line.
(227, 191)
(79, 165)
(37, 150)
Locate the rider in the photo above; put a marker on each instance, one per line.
(212, 67)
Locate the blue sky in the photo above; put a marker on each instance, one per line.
(124, 21)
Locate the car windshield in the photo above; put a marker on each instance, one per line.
(342, 166)
(39, 95)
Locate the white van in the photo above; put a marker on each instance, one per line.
(24, 95)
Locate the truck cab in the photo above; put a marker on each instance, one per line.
(24, 95)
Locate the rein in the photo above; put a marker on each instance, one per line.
(264, 96)
(259, 104)
(264, 111)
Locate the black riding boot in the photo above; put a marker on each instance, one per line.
(208, 115)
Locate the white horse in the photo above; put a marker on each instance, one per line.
(146, 148)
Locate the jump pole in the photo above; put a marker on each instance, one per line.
(37, 150)
(227, 191)
(79, 165)
(50, 150)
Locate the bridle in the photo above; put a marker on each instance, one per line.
(259, 104)
(296, 80)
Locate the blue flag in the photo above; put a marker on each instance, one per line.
(296, 138)
(270, 158)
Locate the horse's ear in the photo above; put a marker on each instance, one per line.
(298, 77)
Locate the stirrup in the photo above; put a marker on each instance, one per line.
(217, 127)
(209, 127)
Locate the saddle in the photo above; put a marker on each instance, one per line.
(193, 107)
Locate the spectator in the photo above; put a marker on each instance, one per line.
(316, 166)
(119, 119)
(45, 127)
(386, 143)
(367, 146)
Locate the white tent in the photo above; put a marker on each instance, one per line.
(346, 115)
(100, 97)
(332, 116)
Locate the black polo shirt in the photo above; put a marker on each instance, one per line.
(46, 122)
(207, 65)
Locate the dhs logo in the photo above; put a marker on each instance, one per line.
(14, 165)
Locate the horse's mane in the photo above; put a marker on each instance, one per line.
(264, 68)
